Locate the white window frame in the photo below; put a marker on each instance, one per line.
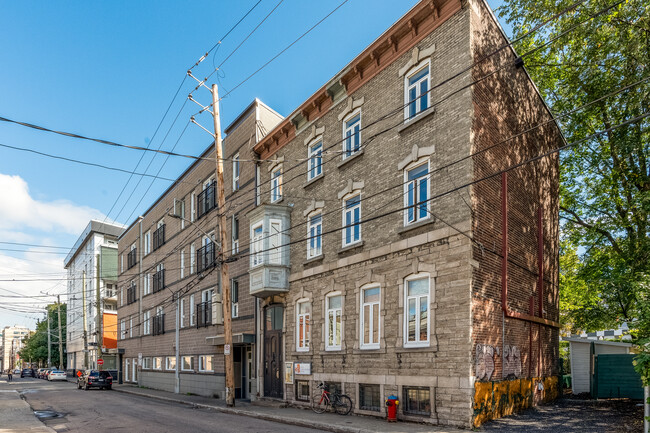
(351, 129)
(182, 315)
(182, 263)
(135, 370)
(315, 159)
(121, 296)
(121, 262)
(126, 369)
(235, 172)
(202, 364)
(276, 184)
(122, 329)
(350, 211)
(274, 254)
(146, 285)
(257, 244)
(147, 242)
(170, 363)
(192, 310)
(302, 345)
(417, 183)
(192, 258)
(146, 322)
(336, 312)
(234, 234)
(157, 363)
(183, 359)
(193, 207)
(370, 344)
(418, 89)
(234, 310)
(418, 300)
(131, 327)
(314, 235)
(146, 363)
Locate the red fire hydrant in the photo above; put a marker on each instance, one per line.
(391, 405)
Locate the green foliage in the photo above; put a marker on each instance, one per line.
(605, 182)
(35, 345)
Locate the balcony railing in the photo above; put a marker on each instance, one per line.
(132, 258)
(206, 200)
(159, 281)
(158, 327)
(205, 257)
(203, 314)
(159, 237)
(131, 295)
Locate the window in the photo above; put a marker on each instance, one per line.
(192, 207)
(179, 210)
(303, 311)
(126, 369)
(369, 397)
(146, 363)
(157, 362)
(235, 234)
(182, 263)
(315, 160)
(302, 390)
(235, 172)
(234, 297)
(416, 194)
(314, 232)
(121, 262)
(417, 400)
(192, 310)
(159, 278)
(146, 316)
(275, 253)
(182, 315)
(122, 329)
(121, 296)
(257, 245)
(130, 327)
(333, 305)
(352, 220)
(352, 135)
(370, 301)
(334, 387)
(146, 285)
(416, 316)
(192, 258)
(186, 363)
(205, 363)
(276, 184)
(170, 363)
(147, 242)
(416, 92)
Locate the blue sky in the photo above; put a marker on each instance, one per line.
(109, 70)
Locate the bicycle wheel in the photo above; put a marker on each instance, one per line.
(320, 404)
(343, 405)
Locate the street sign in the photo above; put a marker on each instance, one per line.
(226, 349)
(100, 361)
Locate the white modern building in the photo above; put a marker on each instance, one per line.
(92, 275)
(12, 342)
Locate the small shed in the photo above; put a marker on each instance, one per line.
(582, 359)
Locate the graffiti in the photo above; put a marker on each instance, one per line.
(485, 361)
(511, 361)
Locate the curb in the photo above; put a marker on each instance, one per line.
(252, 414)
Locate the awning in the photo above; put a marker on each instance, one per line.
(237, 339)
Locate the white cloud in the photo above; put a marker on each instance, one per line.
(18, 210)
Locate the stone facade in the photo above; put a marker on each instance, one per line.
(424, 334)
(187, 256)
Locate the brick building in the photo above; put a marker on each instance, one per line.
(170, 252)
(389, 252)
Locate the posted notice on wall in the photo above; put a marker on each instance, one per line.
(302, 368)
(288, 372)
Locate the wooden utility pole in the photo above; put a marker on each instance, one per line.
(58, 306)
(83, 298)
(99, 339)
(49, 344)
(225, 281)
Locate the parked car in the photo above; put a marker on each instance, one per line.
(27, 372)
(17, 371)
(94, 378)
(47, 373)
(57, 375)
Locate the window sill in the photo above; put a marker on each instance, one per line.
(313, 180)
(352, 157)
(277, 201)
(369, 351)
(412, 349)
(314, 259)
(350, 247)
(417, 225)
(423, 115)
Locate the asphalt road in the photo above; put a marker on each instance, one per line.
(111, 411)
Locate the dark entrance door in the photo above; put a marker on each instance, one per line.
(273, 351)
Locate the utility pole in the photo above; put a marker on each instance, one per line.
(98, 311)
(83, 298)
(58, 303)
(225, 281)
(49, 344)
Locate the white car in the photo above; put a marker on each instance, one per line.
(17, 371)
(57, 375)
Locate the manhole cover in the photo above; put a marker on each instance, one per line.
(47, 414)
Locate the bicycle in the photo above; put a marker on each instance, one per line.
(341, 403)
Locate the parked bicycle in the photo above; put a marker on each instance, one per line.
(341, 403)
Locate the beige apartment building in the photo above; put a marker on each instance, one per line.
(168, 259)
(406, 242)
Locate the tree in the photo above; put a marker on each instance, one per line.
(605, 182)
(35, 345)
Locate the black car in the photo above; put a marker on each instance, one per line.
(26, 372)
(94, 378)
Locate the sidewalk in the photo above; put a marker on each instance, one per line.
(16, 416)
(293, 416)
